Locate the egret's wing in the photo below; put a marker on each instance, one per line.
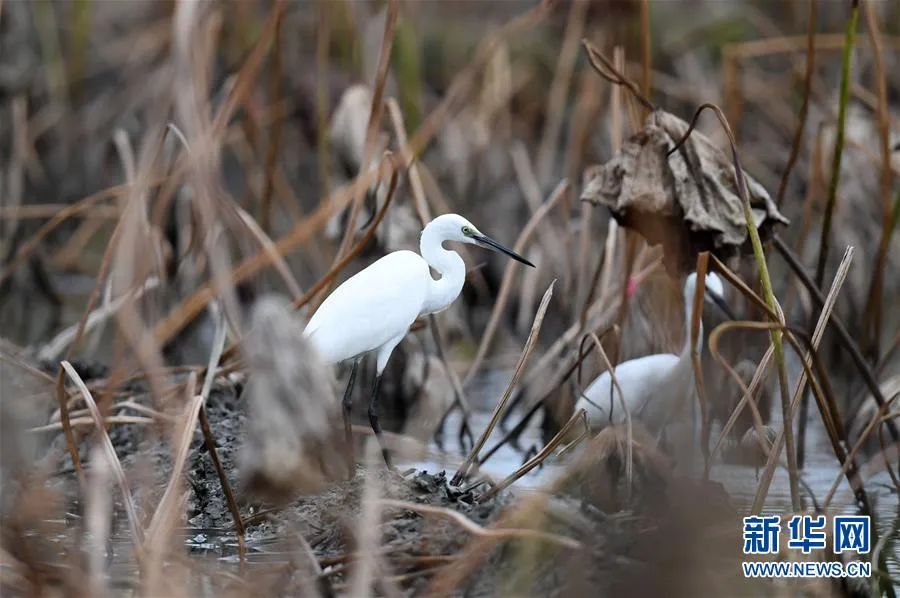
(371, 307)
(639, 379)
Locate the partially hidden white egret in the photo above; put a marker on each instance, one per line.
(652, 386)
(373, 309)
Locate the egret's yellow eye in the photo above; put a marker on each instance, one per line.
(467, 231)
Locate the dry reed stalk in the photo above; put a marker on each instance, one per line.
(12, 183)
(66, 424)
(415, 179)
(375, 117)
(768, 294)
(493, 533)
(257, 231)
(813, 190)
(599, 316)
(747, 392)
(70, 256)
(872, 321)
(51, 350)
(646, 56)
(368, 530)
(789, 44)
(218, 346)
(46, 211)
(464, 82)
(98, 511)
(163, 520)
(472, 459)
(612, 72)
(843, 335)
(585, 112)
(246, 77)
(87, 422)
(530, 186)
(696, 340)
(516, 430)
(82, 205)
(804, 107)
(459, 394)
(323, 44)
(629, 430)
(508, 273)
(837, 156)
(475, 554)
(335, 270)
(548, 236)
(424, 215)
(112, 458)
(314, 584)
(128, 404)
(543, 454)
(766, 478)
(268, 246)
(559, 89)
(830, 418)
(190, 307)
(328, 278)
(275, 92)
(876, 421)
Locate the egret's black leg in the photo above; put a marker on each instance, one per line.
(373, 420)
(347, 405)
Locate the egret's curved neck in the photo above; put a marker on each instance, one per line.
(450, 266)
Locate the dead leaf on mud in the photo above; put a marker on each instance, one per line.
(687, 201)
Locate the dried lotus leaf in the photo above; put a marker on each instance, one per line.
(687, 201)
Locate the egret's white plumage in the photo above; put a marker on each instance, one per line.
(652, 386)
(373, 310)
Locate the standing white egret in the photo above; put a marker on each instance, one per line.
(652, 386)
(373, 310)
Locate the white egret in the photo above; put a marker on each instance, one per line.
(654, 385)
(373, 310)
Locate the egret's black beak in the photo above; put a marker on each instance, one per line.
(489, 243)
(721, 304)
